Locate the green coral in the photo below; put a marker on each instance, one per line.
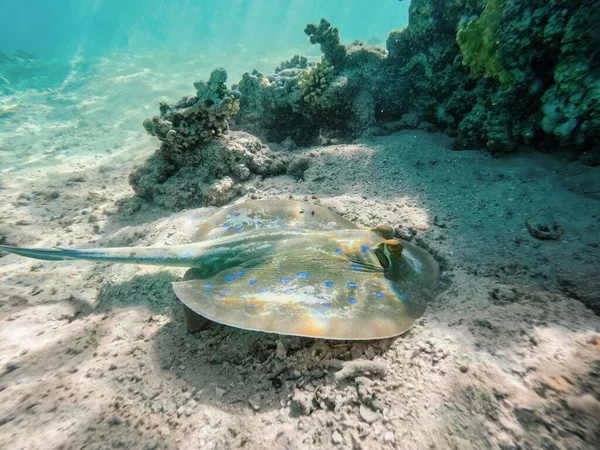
(479, 45)
(314, 81)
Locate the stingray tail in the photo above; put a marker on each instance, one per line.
(47, 254)
(114, 255)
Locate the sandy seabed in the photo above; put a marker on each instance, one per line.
(97, 356)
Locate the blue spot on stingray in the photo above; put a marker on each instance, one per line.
(263, 291)
(208, 286)
(357, 268)
(279, 265)
(326, 304)
(352, 284)
(191, 292)
(285, 280)
(401, 267)
(257, 223)
(288, 289)
(352, 300)
(379, 294)
(314, 259)
(297, 310)
(364, 248)
(226, 291)
(329, 283)
(405, 295)
(360, 233)
(250, 306)
(381, 281)
(239, 273)
(374, 236)
(207, 293)
(253, 281)
(272, 224)
(338, 251)
(244, 298)
(227, 226)
(239, 230)
(221, 296)
(302, 275)
(229, 277)
(320, 297)
(279, 218)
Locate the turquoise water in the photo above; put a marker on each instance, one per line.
(228, 30)
(78, 76)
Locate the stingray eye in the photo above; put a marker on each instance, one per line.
(383, 260)
(385, 231)
(393, 246)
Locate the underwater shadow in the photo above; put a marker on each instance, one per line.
(152, 291)
(252, 370)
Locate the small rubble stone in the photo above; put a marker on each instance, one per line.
(220, 392)
(367, 414)
(337, 438)
(280, 352)
(352, 369)
(255, 401)
(586, 403)
(301, 404)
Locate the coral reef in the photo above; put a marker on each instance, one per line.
(206, 175)
(532, 71)
(199, 163)
(195, 120)
(492, 73)
(270, 104)
(329, 39)
(478, 45)
(314, 81)
(314, 103)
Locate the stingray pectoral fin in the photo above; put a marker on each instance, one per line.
(346, 315)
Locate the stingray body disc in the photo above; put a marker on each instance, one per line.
(317, 284)
(270, 214)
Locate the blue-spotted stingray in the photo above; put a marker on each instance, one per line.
(291, 268)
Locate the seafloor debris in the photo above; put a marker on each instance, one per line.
(544, 230)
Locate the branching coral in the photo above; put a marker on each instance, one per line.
(196, 120)
(329, 38)
(315, 80)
